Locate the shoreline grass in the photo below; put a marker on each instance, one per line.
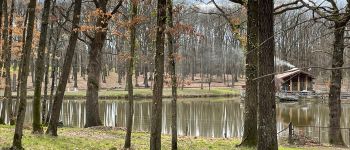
(113, 138)
(143, 93)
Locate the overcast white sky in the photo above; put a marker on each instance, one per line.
(340, 3)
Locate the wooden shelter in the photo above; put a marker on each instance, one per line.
(294, 80)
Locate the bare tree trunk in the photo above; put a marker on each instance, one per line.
(119, 66)
(46, 82)
(8, 66)
(146, 67)
(82, 66)
(94, 67)
(251, 100)
(2, 115)
(20, 67)
(27, 49)
(75, 71)
(145, 80)
(57, 104)
(267, 134)
(32, 67)
(130, 113)
(94, 72)
(202, 69)
(171, 55)
(156, 118)
(40, 68)
(7, 63)
(335, 136)
(45, 116)
(54, 64)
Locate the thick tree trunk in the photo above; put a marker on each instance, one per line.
(251, 100)
(7, 63)
(171, 55)
(94, 72)
(267, 134)
(130, 113)
(57, 104)
(17, 139)
(94, 76)
(335, 136)
(40, 68)
(156, 118)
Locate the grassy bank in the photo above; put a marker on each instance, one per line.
(147, 93)
(106, 138)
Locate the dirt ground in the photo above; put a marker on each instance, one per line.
(112, 82)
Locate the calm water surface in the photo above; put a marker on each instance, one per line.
(213, 117)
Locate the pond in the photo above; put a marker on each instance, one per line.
(209, 117)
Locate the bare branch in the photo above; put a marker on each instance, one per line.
(285, 5)
(115, 10)
(318, 10)
(334, 5)
(239, 2)
(287, 9)
(222, 11)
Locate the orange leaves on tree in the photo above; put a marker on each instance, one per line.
(16, 50)
(180, 28)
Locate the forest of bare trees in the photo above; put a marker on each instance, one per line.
(49, 47)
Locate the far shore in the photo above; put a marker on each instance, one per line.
(143, 93)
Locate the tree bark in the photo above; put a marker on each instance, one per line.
(40, 69)
(17, 139)
(94, 67)
(57, 104)
(119, 66)
(171, 55)
(94, 70)
(45, 116)
(54, 65)
(75, 71)
(20, 67)
(46, 84)
(8, 66)
(7, 63)
(335, 136)
(146, 63)
(130, 113)
(2, 115)
(156, 118)
(251, 100)
(267, 134)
